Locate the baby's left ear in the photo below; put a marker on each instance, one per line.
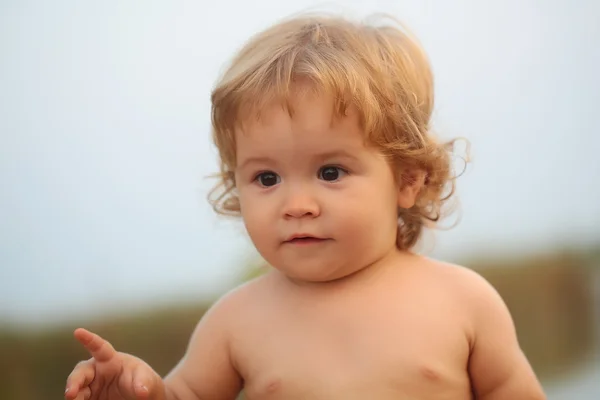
(410, 184)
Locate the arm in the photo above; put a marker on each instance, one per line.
(498, 368)
(206, 370)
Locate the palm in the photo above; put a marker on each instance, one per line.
(109, 382)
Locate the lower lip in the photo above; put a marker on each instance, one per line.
(305, 242)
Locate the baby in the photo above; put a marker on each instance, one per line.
(323, 131)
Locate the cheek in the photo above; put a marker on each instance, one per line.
(368, 216)
(371, 196)
(255, 214)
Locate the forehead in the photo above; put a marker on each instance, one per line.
(308, 121)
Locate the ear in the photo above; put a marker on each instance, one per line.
(410, 184)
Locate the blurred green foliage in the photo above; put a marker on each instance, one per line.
(550, 298)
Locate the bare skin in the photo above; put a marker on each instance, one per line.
(346, 315)
(406, 328)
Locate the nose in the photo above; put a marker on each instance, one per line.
(300, 203)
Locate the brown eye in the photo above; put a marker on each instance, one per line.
(330, 173)
(268, 179)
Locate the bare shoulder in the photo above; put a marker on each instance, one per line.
(497, 366)
(467, 283)
(207, 370)
(220, 324)
(238, 301)
(477, 293)
(470, 291)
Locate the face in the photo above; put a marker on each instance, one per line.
(317, 202)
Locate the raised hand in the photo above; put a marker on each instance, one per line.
(111, 375)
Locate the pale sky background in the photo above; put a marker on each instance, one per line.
(104, 139)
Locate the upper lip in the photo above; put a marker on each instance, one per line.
(302, 235)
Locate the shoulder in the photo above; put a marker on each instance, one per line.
(208, 368)
(227, 319)
(238, 302)
(453, 276)
(498, 367)
(466, 283)
(470, 291)
(476, 292)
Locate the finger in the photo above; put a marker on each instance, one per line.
(99, 348)
(82, 375)
(142, 382)
(84, 394)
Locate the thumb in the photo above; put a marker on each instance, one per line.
(143, 381)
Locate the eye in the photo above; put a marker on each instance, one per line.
(330, 173)
(268, 179)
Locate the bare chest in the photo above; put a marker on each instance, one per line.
(399, 352)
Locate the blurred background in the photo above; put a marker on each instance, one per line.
(105, 143)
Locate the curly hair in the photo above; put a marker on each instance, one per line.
(378, 68)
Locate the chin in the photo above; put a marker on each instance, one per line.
(313, 273)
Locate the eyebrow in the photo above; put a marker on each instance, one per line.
(254, 160)
(336, 154)
(318, 157)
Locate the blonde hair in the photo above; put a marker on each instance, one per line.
(377, 68)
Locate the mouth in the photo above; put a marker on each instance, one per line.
(304, 240)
